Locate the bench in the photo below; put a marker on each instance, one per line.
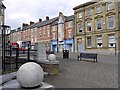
(88, 56)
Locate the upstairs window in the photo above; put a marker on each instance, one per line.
(48, 33)
(79, 28)
(88, 13)
(98, 24)
(88, 26)
(70, 34)
(111, 22)
(70, 24)
(109, 6)
(53, 28)
(98, 9)
(79, 15)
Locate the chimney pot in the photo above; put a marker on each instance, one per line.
(24, 24)
(40, 20)
(31, 22)
(47, 18)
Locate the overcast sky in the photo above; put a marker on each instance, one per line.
(24, 11)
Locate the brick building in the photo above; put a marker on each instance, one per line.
(97, 27)
(56, 33)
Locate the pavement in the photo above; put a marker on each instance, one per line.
(83, 74)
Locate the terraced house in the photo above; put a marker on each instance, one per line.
(56, 33)
(97, 27)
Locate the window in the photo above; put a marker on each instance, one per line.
(70, 34)
(53, 35)
(98, 9)
(79, 28)
(61, 26)
(88, 12)
(43, 27)
(98, 24)
(88, 26)
(70, 24)
(112, 41)
(109, 6)
(79, 15)
(48, 26)
(44, 34)
(53, 28)
(88, 42)
(48, 33)
(60, 34)
(1, 11)
(110, 22)
(99, 41)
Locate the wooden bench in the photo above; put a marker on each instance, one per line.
(88, 56)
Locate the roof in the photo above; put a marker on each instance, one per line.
(52, 21)
(40, 24)
(2, 5)
(67, 18)
(84, 4)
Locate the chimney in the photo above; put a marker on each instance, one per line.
(60, 13)
(24, 24)
(31, 22)
(47, 18)
(40, 20)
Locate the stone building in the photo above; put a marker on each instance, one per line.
(97, 27)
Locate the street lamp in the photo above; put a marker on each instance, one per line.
(115, 46)
(5, 38)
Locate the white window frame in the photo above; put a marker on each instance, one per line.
(111, 41)
(48, 33)
(69, 34)
(53, 28)
(70, 23)
(53, 36)
(99, 41)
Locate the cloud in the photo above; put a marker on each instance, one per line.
(24, 11)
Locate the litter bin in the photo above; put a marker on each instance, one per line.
(65, 53)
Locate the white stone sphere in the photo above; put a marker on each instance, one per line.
(51, 57)
(30, 75)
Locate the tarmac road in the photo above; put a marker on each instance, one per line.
(82, 74)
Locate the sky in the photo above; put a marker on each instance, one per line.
(24, 11)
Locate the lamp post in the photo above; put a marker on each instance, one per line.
(115, 46)
(5, 38)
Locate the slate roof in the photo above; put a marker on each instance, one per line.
(2, 5)
(67, 18)
(47, 22)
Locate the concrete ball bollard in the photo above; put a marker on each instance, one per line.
(51, 57)
(30, 75)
